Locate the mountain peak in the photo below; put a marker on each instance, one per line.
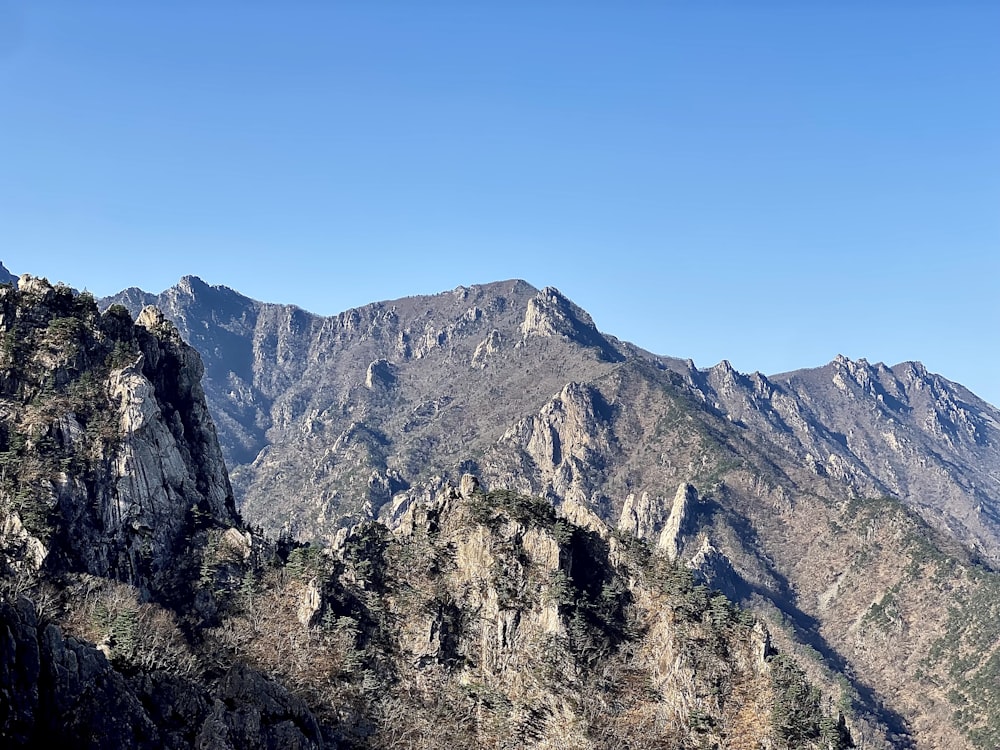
(191, 284)
(911, 370)
(551, 313)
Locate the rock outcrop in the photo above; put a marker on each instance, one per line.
(117, 523)
(549, 313)
(564, 444)
(497, 594)
(643, 516)
(677, 527)
(113, 461)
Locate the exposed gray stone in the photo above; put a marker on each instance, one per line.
(676, 529)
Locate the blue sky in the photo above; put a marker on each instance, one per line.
(769, 182)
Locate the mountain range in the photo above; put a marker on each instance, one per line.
(809, 484)
(854, 508)
(138, 609)
(389, 395)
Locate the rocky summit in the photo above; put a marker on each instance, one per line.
(473, 518)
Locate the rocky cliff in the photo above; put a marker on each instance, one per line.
(115, 510)
(110, 459)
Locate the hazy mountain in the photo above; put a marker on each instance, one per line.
(848, 503)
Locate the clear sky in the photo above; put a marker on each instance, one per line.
(769, 182)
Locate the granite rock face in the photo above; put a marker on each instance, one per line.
(117, 520)
(549, 313)
(112, 455)
(676, 529)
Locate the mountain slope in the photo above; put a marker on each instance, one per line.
(345, 411)
(902, 432)
(6, 277)
(115, 509)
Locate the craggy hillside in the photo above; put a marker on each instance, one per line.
(325, 419)
(137, 609)
(117, 524)
(360, 415)
(487, 620)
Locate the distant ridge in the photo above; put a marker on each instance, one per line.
(279, 374)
